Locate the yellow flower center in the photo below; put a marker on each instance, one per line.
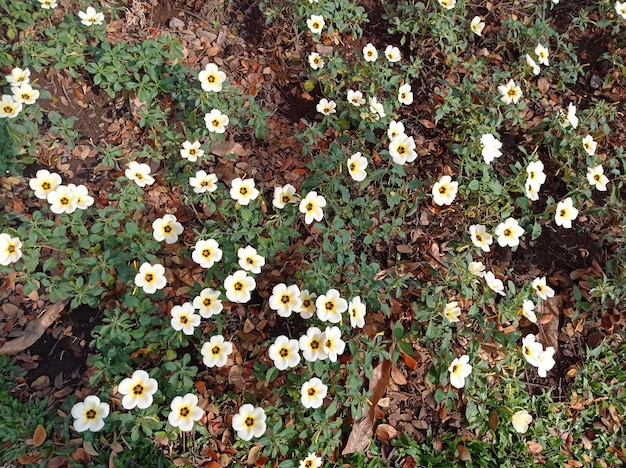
(216, 350)
(285, 299)
(284, 352)
(91, 414)
(184, 411)
(207, 302)
(311, 391)
(149, 278)
(238, 286)
(138, 389)
(249, 421)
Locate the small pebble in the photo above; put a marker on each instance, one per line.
(176, 23)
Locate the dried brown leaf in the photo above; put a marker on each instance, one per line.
(39, 436)
(223, 148)
(464, 454)
(397, 376)
(549, 334)
(386, 432)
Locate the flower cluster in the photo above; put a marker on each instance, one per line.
(62, 198)
(21, 93)
(534, 353)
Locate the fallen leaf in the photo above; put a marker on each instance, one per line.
(39, 436)
(463, 453)
(254, 453)
(549, 334)
(409, 361)
(223, 148)
(386, 432)
(397, 376)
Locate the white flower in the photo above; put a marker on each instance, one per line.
(312, 394)
(531, 349)
(89, 414)
(370, 54)
(185, 411)
(311, 206)
(393, 54)
(330, 306)
(477, 25)
(18, 76)
(285, 299)
(333, 344)
(91, 17)
(283, 195)
(532, 64)
(452, 311)
(140, 173)
(356, 167)
(480, 237)
(521, 420)
(150, 277)
(476, 269)
(620, 9)
(25, 94)
(355, 98)
(206, 253)
(596, 177)
(62, 200)
(284, 353)
(203, 182)
(191, 151)
(357, 311)
(535, 173)
(444, 191)
(239, 286)
(215, 352)
(9, 107)
(249, 422)
(542, 54)
(542, 289)
(569, 118)
(565, 213)
(138, 390)
(211, 78)
(546, 361)
(509, 233)
(490, 147)
(447, 4)
(495, 284)
(316, 24)
(184, 318)
(326, 107)
(250, 260)
(307, 308)
(10, 249)
(208, 303)
(459, 369)
(511, 93)
(532, 190)
(376, 107)
(312, 345)
(167, 229)
(402, 149)
(44, 183)
(83, 199)
(316, 61)
(216, 121)
(528, 310)
(311, 461)
(590, 145)
(243, 191)
(405, 96)
(395, 129)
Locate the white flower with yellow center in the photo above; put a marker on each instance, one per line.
(330, 306)
(191, 151)
(307, 309)
(9, 107)
(62, 200)
(138, 390)
(284, 195)
(150, 277)
(452, 311)
(476, 269)
(89, 414)
(18, 76)
(48, 4)
(185, 411)
(477, 25)
(542, 54)
(355, 98)
(535, 174)
(316, 61)
(393, 54)
(249, 422)
(542, 289)
(532, 191)
(239, 286)
(546, 361)
(531, 349)
(334, 346)
(243, 191)
(215, 121)
(10, 249)
(285, 299)
(528, 310)
(91, 17)
(139, 173)
(405, 95)
(596, 177)
(356, 167)
(565, 213)
(311, 461)
(211, 78)
(444, 191)
(312, 345)
(44, 183)
(376, 107)
(215, 352)
(509, 233)
(206, 253)
(357, 311)
(370, 54)
(326, 107)
(167, 229)
(208, 303)
(589, 145)
(532, 64)
(620, 9)
(569, 118)
(490, 147)
(480, 237)
(493, 283)
(83, 199)
(250, 260)
(459, 370)
(284, 353)
(402, 149)
(25, 94)
(316, 24)
(394, 129)
(312, 393)
(184, 318)
(510, 92)
(311, 206)
(203, 182)
(521, 420)
(447, 4)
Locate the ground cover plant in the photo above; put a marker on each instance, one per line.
(312, 233)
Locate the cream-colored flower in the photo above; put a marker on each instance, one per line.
(203, 182)
(316, 61)
(139, 173)
(394, 129)
(243, 190)
(528, 310)
(330, 306)
(311, 206)
(285, 299)
(284, 195)
(9, 107)
(569, 118)
(495, 284)
(138, 390)
(89, 414)
(355, 98)
(535, 174)
(91, 17)
(376, 107)
(208, 303)
(476, 269)
(357, 311)
(250, 260)
(206, 253)
(215, 352)
(596, 177)
(452, 311)
(312, 393)
(620, 9)
(216, 122)
(405, 95)
(312, 345)
(480, 237)
(477, 25)
(510, 92)
(307, 309)
(326, 107)
(25, 94)
(532, 64)
(521, 420)
(185, 411)
(565, 213)
(444, 191)
(150, 277)
(402, 149)
(333, 345)
(10, 249)
(509, 233)
(447, 4)
(311, 461)
(542, 54)
(191, 151)
(239, 287)
(356, 167)
(370, 54)
(44, 183)
(62, 200)
(542, 289)
(316, 24)
(459, 370)
(18, 76)
(490, 147)
(284, 353)
(589, 145)
(393, 54)
(211, 78)
(167, 229)
(531, 349)
(249, 422)
(184, 318)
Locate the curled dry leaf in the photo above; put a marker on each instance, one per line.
(39, 436)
